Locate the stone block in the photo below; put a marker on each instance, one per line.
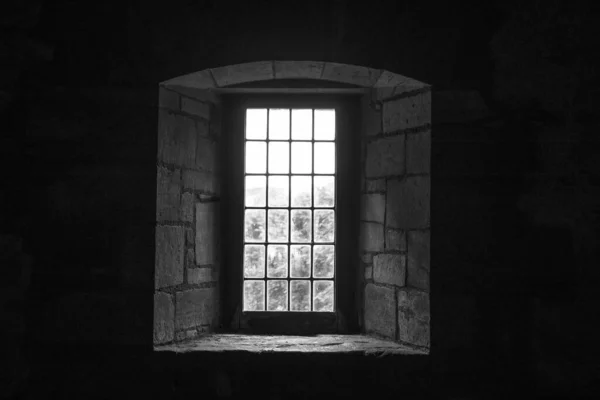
(418, 153)
(206, 154)
(196, 108)
(190, 259)
(380, 310)
(371, 236)
(195, 307)
(367, 258)
(369, 272)
(389, 269)
(372, 119)
(195, 80)
(418, 259)
(187, 207)
(168, 196)
(189, 237)
(164, 318)
(169, 256)
(385, 157)
(414, 317)
(373, 208)
(206, 233)
(176, 139)
(390, 84)
(168, 99)
(206, 95)
(353, 74)
(408, 112)
(186, 335)
(202, 181)
(298, 69)
(395, 240)
(408, 203)
(375, 185)
(201, 275)
(241, 73)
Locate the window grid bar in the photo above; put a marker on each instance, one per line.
(267, 215)
(312, 214)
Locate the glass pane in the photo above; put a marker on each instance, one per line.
(300, 265)
(256, 123)
(277, 261)
(255, 225)
(323, 261)
(277, 296)
(279, 157)
(279, 124)
(301, 226)
(254, 295)
(255, 191)
(279, 191)
(324, 225)
(300, 295)
(254, 261)
(324, 124)
(323, 296)
(324, 191)
(302, 124)
(256, 154)
(278, 225)
(324, 158)
(301, 157)
(301, 191)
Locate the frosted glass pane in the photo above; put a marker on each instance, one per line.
(301, 191)
(301, 226)
(279, 191)
(324, 258)
(301, 157)
(300, 295)
(279, 124)
(279, 157)
(300, 262)
(324, 225)
(277, 261)
(256, 123)
(254, 296)
(277, 296)
(324, 191)
(256, 154)
(302, 124)
(256, 188)
(254, 226)
(278, 225)
(254, 261)
(324, 158)
(323, 296)
(324, 124)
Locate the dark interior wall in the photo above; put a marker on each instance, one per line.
(514, 194)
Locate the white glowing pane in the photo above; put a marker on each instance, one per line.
(323, 296)
(324, 191)
(279, 191)
(324, 124)
(277, 261)
(256, 188)
(279, 157)
(254, 295)
(254, 261)
(324, 158)
(279, 124)
(256, 123)
(300, 295)
(301, 191)
(301, 124)
(301, 157)
(277, 295)
(256, 154)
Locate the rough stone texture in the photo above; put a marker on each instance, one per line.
(408, 203)
(380, 310)
(413, 317)
(390, 84)
(169, 256)
(373, 208)
(418, 153)
(168, 99)
(164, 318)
(395, 240)
(201, 275)
(195, 307)
(190, 260)
(240, 73)
(187, 207)
(369, 272)
(189, 237)
(367, 258)
(176, 139)
(408, 112)
(186, 335)
(298, 69)
(168, 196)
(372, 120)
(206, 154)
(206, 233)
(371, 235)
(375, 185)
(353, 74)
(385, 157)
(390, 269)
(200, 180)
(195, 80)
(196, 108)
(418, 259)
(205, 95)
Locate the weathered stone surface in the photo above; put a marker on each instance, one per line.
(354, 74)
(375, 185)
(186, 335)
(418, 278)
(413, 317)
(418, 259)
(298, 69)
(206, 233)
(168, 196)
(196, 108)
(369, 272)
(164, 318)
(189, 237)
(390, 269)
(371, 236)
(372, 120)
(190, 259)
(205, 95)
(169, 256)
(373, 208)
(367, 258)
(390, 84)
(206, 154)
(408, 112)
(195, 307)
(200, 180)
(176, 139)
(395, 240)
(408, 203)
(196, 80)
(187, 207)
(240, 73)
(418, 153)
(201, 275)
(385, 157)
(380, 310)
(168, 99)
